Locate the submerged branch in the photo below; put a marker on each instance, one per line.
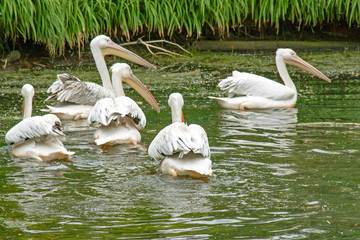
(149, 45)
(182, 73)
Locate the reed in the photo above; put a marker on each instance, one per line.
(59, 24)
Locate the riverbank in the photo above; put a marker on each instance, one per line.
(31, 58)
(272, 45)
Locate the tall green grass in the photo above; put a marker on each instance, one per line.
(58, 24)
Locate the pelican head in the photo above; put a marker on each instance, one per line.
(176, 103)
(288, 56)
(27, 91)
(123, 72)
(108, 47)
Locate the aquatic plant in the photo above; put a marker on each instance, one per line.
(58, 24)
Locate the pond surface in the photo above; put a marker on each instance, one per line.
(278, 173)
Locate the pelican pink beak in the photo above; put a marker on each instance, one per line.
(298, 62)
(135, 83)
(116, 50)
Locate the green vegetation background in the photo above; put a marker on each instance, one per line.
(67, 24)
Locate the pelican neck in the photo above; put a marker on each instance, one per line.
(281, 66)
(102, 68)
(176, 113)
(117, 84)
(27, 111)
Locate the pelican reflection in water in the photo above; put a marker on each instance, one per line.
(259, 129)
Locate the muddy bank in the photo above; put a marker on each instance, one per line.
(35, 59)
(271, 45)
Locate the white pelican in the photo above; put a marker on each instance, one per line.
(77, 98)
(36, 137)
(258, 92)
(120, 117)
(183, 149)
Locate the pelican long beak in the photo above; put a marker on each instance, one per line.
(135, 83)
(116, 50)
(298, 62)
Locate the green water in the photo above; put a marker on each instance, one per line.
(278, 173)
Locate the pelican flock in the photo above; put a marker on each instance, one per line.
(256, 92)
(183, 149)
(36, 137)
(121, 118)
(76, 98)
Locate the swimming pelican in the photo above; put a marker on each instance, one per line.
(120, 118)
(259, 92)
(77, 98)
(183, 149)
(36, 137)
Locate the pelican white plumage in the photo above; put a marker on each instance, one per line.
(77, 98)
(183, 149)
(36, 137)
(120, 118)
(255, 92)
